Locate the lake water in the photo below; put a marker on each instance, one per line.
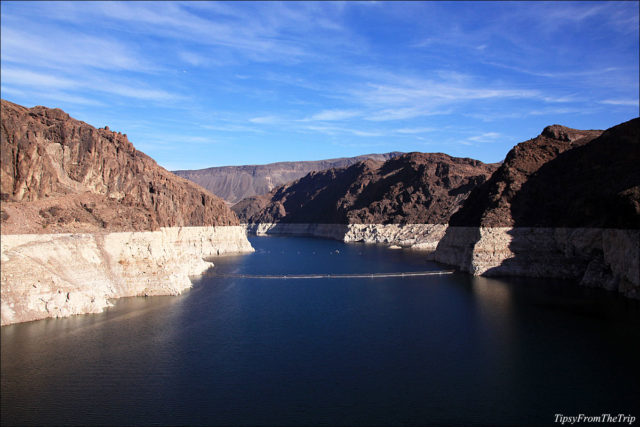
(433, 350)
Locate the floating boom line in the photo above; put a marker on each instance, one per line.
(338, 276)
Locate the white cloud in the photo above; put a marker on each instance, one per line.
(416, 94)
(265, 120)
(232, 128)
(405, 113)
(192, 58)
(335, 130)
(24, 77)
(86, 83)
(331, 115)
(68, 50)
(131, 91)
(629, 102)
(414, 130)
(485, 137)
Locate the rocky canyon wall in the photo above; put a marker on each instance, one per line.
(596, 257)
(59, 275)
(565, 204)
(86, 217)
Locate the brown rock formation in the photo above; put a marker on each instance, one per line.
(59, 174)
(563, 178)
(565, 204)
(235, 183)
(412, 188)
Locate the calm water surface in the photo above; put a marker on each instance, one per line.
(435, 350)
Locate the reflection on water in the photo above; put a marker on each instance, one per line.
(454, 350)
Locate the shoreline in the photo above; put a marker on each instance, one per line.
(594, 257)
(60, 275)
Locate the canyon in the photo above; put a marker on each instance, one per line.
(565, 204)
(86, 218)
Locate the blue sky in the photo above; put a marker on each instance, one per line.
(199, 84)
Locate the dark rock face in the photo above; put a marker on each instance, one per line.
(83, 178)
(235, 183)
(412, 188)
(563, 178)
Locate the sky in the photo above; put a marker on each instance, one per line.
(201, 84)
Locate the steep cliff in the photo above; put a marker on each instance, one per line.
(59, 275)
(83, 179)
(87, 218)
(234, 183)
(549, 180)
(413, 188)
(564, 204)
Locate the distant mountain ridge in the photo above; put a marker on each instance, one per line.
(234, 183)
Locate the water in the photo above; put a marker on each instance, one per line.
(432, 350)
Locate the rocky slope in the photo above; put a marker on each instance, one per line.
(564, 204)
(86, 218)
(234, 183)
(563, 178)
(80, 178)
(408, 189)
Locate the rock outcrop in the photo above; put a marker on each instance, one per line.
(565, 204)
(235, 183)
(415, 188)
(90, 179)
(85, 217)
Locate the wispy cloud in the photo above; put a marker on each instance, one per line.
(65, 86)
(401, 97)
(336, 130)
(54, 96)
(414, 130)
(271, 33)
(485, 137)
(25, 77)
(265, 120)
(68, 50)
(625, 102)
(260, 73)
(333, 115)
(555, 74)
(228, 127)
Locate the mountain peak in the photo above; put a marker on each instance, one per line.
(563, 133)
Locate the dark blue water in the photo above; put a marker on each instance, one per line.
(434, 350)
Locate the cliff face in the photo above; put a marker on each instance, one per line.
(412, 188)
(59, 174)
(59, 275)
(565, 204)
(562, 178)
(235, 183)
(87, 218)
